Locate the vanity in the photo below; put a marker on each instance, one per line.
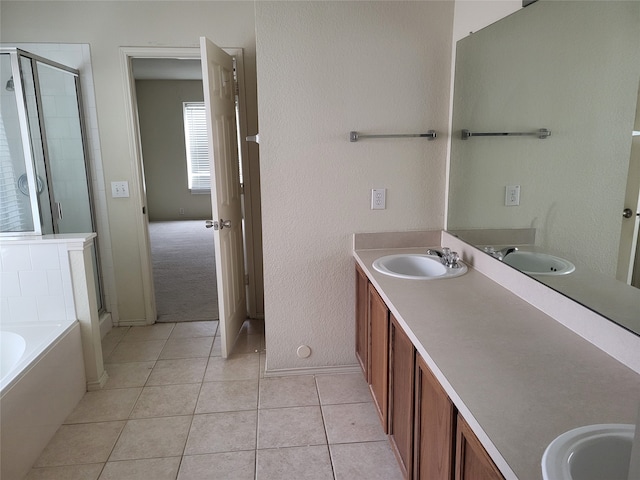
(469, 379)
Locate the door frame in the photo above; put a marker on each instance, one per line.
(127, 54)
(629, 246)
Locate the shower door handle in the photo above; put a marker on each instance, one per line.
(59, 210)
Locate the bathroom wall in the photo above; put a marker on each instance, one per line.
(106, 26)
(324, 69)
(163, 148)
(472, 15)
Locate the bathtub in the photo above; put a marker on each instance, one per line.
(42, 380)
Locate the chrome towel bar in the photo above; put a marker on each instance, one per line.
(355, 136)
(541, 133)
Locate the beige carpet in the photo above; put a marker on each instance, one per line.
(184, 271)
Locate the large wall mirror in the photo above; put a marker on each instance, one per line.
(546, 149)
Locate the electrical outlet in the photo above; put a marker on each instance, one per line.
(120, 189)
(378, 198)
(181, 211)
(512, 195)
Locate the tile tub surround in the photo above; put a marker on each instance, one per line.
(48, 278)
(185, 412)
(506, 364)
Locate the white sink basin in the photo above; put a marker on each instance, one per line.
(592, 452)
(416, 267)
(535, 263)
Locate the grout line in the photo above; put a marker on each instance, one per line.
(324, 426)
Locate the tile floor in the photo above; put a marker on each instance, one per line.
(173, 408)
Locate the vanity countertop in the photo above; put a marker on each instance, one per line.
(519, 377)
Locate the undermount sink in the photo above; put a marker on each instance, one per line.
(536, 263)
(416, 266)
(592, 452)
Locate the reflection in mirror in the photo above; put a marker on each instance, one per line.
(572, 68)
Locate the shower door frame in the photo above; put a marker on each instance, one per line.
(25, 138)
(29, 157)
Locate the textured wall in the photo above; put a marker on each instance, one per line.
(324, 69)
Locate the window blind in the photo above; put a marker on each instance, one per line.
(195, 132)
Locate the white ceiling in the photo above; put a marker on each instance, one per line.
(166, 69)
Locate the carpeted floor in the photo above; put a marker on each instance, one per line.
(184, 271)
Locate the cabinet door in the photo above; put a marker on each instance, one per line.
(434, 427)
(379, 354)
(362, 321)
(472, 460)
(401, 389)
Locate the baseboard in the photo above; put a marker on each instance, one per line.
(98, 384)
(106, 323)
(314, 371)
(133, 323)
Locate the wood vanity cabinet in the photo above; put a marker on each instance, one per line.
(472, 460)
(362, 321)
(379, 354)
(402, 355)
(430, 439)
(434, 427)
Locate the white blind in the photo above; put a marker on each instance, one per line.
(195, 133)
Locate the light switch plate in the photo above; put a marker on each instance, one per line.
(120, 189)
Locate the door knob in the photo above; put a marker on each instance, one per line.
(218, 225)
(628, 213)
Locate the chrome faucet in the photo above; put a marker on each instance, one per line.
(447, 257)
(500, 254)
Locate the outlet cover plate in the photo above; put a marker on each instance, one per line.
(378, 198)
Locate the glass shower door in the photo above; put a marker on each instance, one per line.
(66, 164)
(69, 181)
(16, 214)
(52, 99)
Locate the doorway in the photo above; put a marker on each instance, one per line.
(628, 269)
(182, 258)
(250, 196)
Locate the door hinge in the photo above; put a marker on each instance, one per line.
(246, 279)
(144, 210)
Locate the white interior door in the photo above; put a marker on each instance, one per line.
(627, 252)
(219, 97)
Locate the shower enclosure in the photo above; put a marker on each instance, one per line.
(45, 187)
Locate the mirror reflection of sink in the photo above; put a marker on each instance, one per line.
(592, 452)
(416, 266)
(536, 263)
